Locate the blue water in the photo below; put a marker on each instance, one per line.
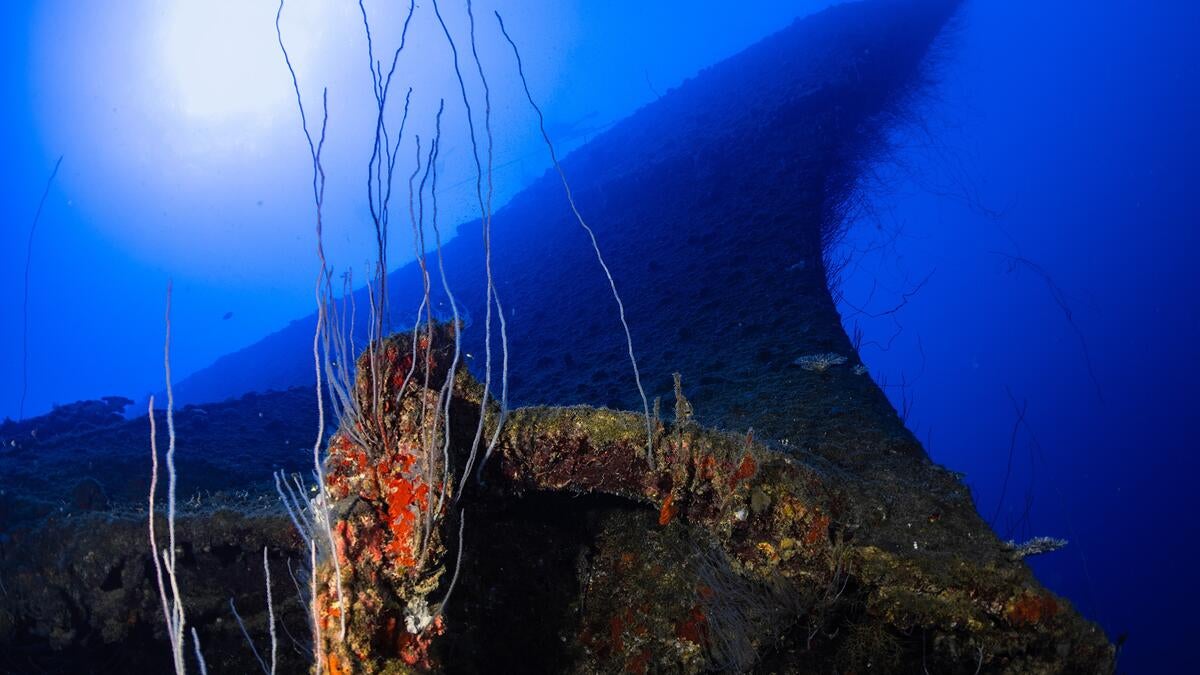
(1065, 135)
(1027, 246)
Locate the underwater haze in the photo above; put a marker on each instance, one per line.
(868, 239)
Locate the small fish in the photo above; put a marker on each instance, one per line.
(228, 316)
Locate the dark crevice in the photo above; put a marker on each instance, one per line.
(113, 580)
(521, 573)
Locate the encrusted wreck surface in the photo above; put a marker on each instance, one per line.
(824, 540)
(715, 552)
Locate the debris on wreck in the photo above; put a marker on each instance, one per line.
(1035, 546)
(819, 363)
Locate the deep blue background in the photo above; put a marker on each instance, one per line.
(1065, 133)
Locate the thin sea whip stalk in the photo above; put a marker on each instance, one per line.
(591, 235)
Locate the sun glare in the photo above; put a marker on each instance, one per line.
(222, 59)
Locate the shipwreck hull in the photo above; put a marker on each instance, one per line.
(824, 540)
